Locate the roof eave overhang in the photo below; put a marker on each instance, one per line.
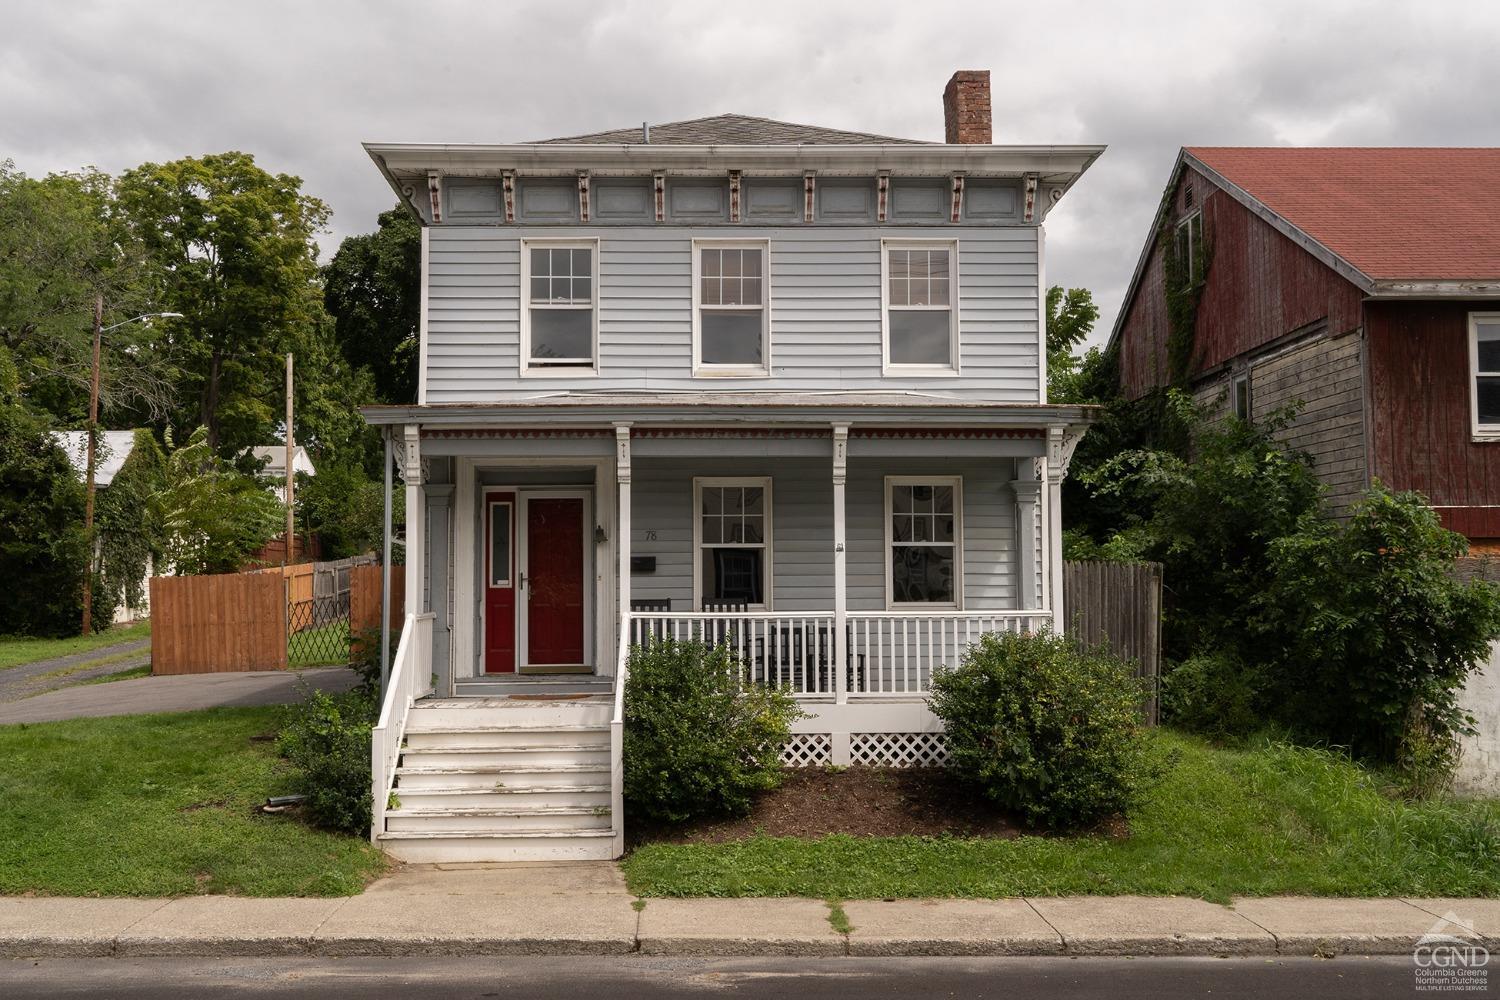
(404, 165)
(582, 414)
(1422, 288)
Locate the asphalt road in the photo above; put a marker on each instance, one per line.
(638, 977)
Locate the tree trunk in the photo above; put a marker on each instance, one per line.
(210, 408)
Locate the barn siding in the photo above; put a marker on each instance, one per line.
(1419, 392)
(825, 311)
(1260, 287)
(802, 527)
(1323, 377)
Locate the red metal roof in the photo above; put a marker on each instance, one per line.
(1393, 213)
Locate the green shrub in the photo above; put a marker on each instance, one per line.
(697, 742)
(1370, 635)
(1215, 694)
(327, 739)
(1045, 729)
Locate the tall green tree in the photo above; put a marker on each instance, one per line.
(62, 243)
(237, 248)
(212, 515)
(371, 289)
(1071, 315)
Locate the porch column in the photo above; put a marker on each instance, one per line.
(416, 520)
(385, 564)
(1056, 465)
(1028, 491)
(840, 588)
(622, 487)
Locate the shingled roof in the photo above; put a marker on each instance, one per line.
(733, 130)
(1393, 213)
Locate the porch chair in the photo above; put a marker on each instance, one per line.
(642, 629)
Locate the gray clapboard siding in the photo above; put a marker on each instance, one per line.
(802, 528)
(825, 311)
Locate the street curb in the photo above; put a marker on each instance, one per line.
(742, 947)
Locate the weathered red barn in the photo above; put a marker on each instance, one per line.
(1363, 284)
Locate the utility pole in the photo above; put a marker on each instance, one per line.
(291, 476)
(88, 496)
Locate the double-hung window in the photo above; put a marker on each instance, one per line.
(921, 307)
(732, 542)
(924, 541)
(731, 311)
(1484, 365)
(1188, 237)
(559, 314)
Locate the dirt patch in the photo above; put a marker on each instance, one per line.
(859, 801)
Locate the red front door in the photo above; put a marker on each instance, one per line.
(499, 583)
(554, 587)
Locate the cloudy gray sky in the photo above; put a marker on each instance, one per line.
(114, 84)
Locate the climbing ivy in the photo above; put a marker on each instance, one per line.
(128, 522)
(1182, 284)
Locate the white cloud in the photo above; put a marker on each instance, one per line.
(301, 84)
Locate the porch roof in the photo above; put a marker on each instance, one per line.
(736, 408)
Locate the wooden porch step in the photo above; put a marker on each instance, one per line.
(427, 847)
(506, 821)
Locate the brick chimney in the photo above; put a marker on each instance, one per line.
(966, 107)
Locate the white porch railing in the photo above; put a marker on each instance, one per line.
(410, 679)
(888, 653)
(896, 652)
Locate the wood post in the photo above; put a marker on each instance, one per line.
(622, 486)
(840, 557)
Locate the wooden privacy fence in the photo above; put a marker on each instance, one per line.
(1119, 605)
(218, 624)
(364, 602)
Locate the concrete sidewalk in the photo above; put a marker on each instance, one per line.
(176, 693)
(583, 908)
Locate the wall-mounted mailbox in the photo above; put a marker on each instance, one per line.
(643, 564)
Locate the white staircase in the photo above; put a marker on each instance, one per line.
(516, 777)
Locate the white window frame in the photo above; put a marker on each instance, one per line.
(957, 483)
(887, 367)
(768, 546)
(1192, 224)
(1235, 381)
(703, 370)
(529, 370)
(1481, 432)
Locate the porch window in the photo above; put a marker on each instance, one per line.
(924, 537)
(732, 541)
(559, 328)
(921, 321)
(1484, 362)
(731, 325)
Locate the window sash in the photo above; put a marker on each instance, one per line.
(712, 269)
(554, 268)
(897, 272)
(1482, 378)
(726, 501)
(953, 546)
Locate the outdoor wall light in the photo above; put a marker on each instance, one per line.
(600, 535)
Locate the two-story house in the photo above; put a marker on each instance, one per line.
(765, 384)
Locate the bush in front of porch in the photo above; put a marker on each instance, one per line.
(1046, 729)
(698, 741)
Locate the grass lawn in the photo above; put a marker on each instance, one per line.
(161, 805)
(123, 675)
(319, 647)
(1222, 823)
(16, 650)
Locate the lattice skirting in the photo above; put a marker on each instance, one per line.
(808, 750)
(897, 749)
(869, 749)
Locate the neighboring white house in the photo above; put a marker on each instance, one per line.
(110, 453)
(274, 457)
(772, 385)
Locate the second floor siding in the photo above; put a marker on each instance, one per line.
(825, 302)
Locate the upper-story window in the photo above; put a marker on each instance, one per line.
(559, 314)
(921, 307)
(731, 316)
(1484, 363)
(1189, 240)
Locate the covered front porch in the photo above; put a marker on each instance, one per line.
(846, 552)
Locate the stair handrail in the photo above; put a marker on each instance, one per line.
(617, 737)
(410, 678)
